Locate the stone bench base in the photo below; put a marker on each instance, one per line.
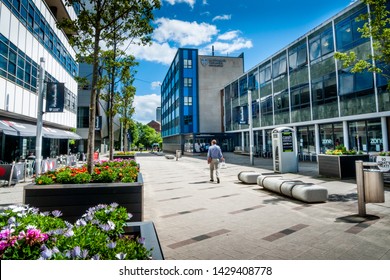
(169, 156)
(293, 188)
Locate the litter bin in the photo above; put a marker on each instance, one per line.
(373, 186)
(178, 154)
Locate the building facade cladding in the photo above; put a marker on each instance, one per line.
(191, 88)
(28, 33)
(304, 87)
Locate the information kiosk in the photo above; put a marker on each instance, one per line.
(284, 150)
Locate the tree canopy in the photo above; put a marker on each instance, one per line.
(93, 29)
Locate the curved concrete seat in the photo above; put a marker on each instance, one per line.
(293, 188)
(169, 156)
(310, 193)
(248, 177)
(262, 178)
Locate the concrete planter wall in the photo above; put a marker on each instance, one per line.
(147, 231)
(341, 167)
(74, 199)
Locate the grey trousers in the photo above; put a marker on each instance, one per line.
(214, 165)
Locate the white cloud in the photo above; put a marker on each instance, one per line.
(160, 53)
(223, 17)
(156, 85)
(226, 48)
(145, 107)
(229, 35)
(183, 32)
(189, 2)
(204, 2)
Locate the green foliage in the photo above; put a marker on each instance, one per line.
(44, 180)
(104, 172)
(147, 136)
(341, 150)
(99, 234)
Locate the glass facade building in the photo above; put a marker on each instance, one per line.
(191, 104)
(28, 33)
(304, 87)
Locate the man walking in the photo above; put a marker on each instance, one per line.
(214, 156)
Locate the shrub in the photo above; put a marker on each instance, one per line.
(118, 170)
(27, 234)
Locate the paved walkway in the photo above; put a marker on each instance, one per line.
(200, 220)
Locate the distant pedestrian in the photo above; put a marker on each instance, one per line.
(214, 157)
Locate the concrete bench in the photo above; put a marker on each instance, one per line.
(169, 156)
(293, 188)
(248, 177)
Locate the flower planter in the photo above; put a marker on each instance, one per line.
(124, 157)
(74, 199)
(147, 231)
(342, 166)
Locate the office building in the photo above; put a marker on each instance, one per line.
(158, 114)
(304, 87)
(191, 104)
(28, 33)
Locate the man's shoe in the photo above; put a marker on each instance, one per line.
(211, 180)
(218, 180)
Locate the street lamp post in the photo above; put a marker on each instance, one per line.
(38, 142)
(250, 123)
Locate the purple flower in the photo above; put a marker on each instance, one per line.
(120, 256)
(95, 257)
(111, 245)
(11, 220)
(47, 254)
(68, 233)
(141, 240)
(75, 252)
(56, 213)
(81, 222)
(4, 234)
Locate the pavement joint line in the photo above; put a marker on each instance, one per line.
(198, 238)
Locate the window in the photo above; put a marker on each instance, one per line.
(188, 82)
(83, 117)
(187, 63)
(297, 56)
(187, 120)
(279, 66)
(187, 100)
(347, 34)
(354, 82)
(321, 45)
(265, 73)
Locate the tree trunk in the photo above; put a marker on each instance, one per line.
(92, 105)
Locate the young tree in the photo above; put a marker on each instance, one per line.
(377, 27)
(125, 103)
(121, 92)
(93, 28)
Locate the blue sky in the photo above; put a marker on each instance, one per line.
(257, 28)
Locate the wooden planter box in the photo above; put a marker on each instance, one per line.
(147, 231)
(341, 167)
(74, 199)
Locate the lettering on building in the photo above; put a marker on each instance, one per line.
(212, 62)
